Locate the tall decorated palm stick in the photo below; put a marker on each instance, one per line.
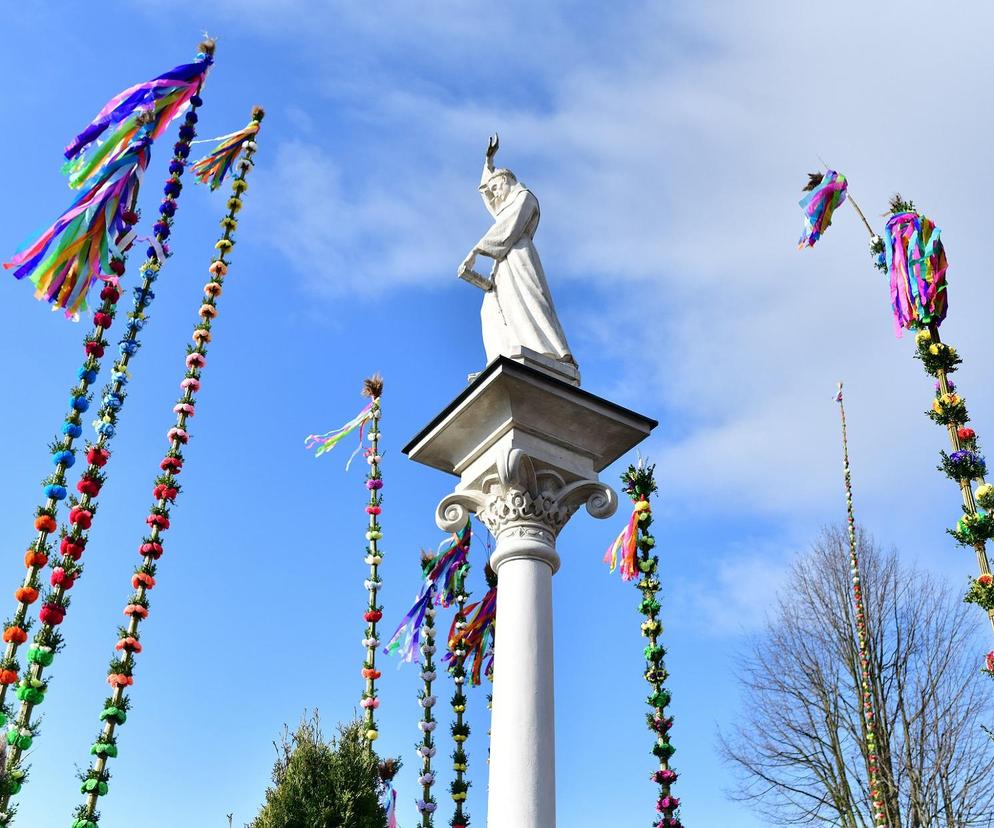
(636, 544)
(912, 255)
(426, 699)
(165, 491)
(459, 787)
(414, 640)
(370, 415)
(64, 270)
(867, 678)
(373, 388)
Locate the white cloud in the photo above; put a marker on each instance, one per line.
(667, 148)
(738, 596)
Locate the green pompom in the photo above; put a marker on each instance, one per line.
(115, 713)
(42, 657)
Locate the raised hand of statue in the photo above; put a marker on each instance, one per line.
(492, 146)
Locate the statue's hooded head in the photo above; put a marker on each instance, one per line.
(500, 184)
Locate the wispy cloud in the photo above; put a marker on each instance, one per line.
(737, 597)
(667, 147)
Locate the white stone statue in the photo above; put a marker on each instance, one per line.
(518, 315)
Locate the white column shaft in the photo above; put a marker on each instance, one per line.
(523, 742)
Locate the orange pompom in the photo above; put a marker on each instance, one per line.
(35, 559)
(15, 635)
(25, 595)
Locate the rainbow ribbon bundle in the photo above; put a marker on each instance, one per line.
(819, 205)
(916, 262)
(71, 255)
(66, 260)
(445, 569)
(627, 544)
(212, 168)
(406, 639)
(441, 577)
(478, 634)
(155, 103)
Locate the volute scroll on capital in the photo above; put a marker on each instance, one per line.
(519, 498)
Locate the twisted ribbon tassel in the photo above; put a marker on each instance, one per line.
(627, 544)
(214, 166)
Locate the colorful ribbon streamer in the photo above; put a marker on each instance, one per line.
(389, 805)
(478, 634)
(330, 439)
(824, 199)
(214, 166)
(627, 544)
(406, 639)
(448, 568)
(916, 262)
(153, 104)
(441, 573)
(70, 256)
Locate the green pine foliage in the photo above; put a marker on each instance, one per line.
(320, 783)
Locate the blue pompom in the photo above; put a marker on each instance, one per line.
(128, 347)
(71, 429)
(113, 402)
(107, 429)
(79, 403)
(87, 375)
(119, 377)
(55, 492)
(66, 458)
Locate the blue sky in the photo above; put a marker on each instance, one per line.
(667, 144)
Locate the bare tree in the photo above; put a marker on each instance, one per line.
(799, 746)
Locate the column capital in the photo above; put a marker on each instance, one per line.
(525, 505)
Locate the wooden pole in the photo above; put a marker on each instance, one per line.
(966, 490)
(165, 491)
(48, 641)
(868, 677)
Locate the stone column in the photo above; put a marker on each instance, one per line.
(527, 448)
(524, 509)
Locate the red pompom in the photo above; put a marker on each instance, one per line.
(97, 456)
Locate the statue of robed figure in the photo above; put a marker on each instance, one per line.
(517, 311)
